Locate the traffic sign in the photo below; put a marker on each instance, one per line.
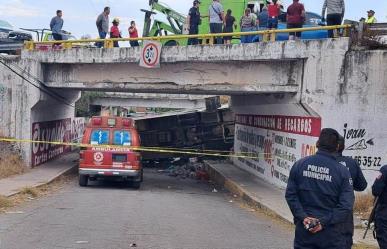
(150, 54)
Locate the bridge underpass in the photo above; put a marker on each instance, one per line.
(282, 93)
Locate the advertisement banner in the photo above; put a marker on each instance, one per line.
(52, 131)
(277, 142)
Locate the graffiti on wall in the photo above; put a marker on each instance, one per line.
(277, 141)
(77, 128)
(64, 130)
(361, 146)
(51, 131)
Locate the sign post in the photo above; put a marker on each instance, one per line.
(150, 54)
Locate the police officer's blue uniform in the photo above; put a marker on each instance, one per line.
(321, 188)
(380, 189)
(359, 184)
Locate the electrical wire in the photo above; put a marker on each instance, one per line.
(43, 89)
(23, 71)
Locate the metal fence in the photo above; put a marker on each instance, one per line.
(267, 35)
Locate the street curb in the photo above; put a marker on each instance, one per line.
(65, 172)
(245, 195)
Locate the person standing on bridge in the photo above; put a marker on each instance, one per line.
(193, 22)
(247, 24)
(295, 17)
(56, 26)
(320, 196)
(274, 10)
(359, 184)
(115, 31)
(133, 33)
(103, 25)
(370, 17)
(216, 19)
(229, 26)
(335, 13)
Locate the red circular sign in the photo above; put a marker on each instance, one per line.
(150, 54)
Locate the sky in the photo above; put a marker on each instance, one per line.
(80, 15)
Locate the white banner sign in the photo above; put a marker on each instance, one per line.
(150, 54)
(277, 141)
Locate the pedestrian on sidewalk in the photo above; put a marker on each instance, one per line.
(335, 10)
(371, 17)
(379, 189)
(247, 24)
(229, 26)
(103, 25)
(133, 33)
(295, 18)
(216, 19)
(115, 31)
(193, 22)
(56, 26)
(359, 184)
(274, 10)
(320, 196)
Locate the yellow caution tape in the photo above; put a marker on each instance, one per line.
(143, 149)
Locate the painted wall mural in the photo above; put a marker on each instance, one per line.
(276, 141)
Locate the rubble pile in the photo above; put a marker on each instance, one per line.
(180, 168)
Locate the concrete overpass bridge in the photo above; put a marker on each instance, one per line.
(281, 92)
(238, 69)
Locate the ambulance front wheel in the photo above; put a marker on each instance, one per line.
(83, 179)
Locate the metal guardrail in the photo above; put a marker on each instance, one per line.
(267, 35)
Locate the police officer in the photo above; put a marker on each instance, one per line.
(193, 22)
(379, 189)
(359, 184)
(320, 196)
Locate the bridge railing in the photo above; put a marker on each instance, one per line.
(267, 35)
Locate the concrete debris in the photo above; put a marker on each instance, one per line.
(214, 190)
(192, 169)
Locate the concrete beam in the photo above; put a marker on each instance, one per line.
(150, 102)
(276, 67)
(257, 68)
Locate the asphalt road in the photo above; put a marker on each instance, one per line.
(165, 213)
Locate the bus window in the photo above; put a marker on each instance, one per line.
(122, 138)
(99, 137)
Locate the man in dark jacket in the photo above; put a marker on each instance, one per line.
(193, 22)
(320, 196)
(359, 184)
(379, 189)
